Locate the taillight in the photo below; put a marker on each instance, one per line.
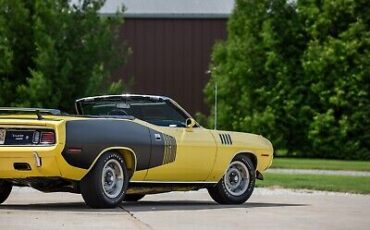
(47, 138)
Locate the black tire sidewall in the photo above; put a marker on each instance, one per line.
(228, 197)
(91, 186)
(5, 190)
(106, 157)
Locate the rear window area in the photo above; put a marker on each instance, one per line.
(158, 112)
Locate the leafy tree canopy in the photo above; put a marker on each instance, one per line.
(297, 72)
(53, 51)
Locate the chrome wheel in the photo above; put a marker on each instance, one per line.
(112, 178)
(105, 185)
(237, 185)
(237, 178)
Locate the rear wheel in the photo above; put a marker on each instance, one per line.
(134, 197)
(106, 184)
(5, 189)
(237, 185)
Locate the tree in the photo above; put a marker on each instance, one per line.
(337, 64)
(275, 75)
(53, 52)
(263, 47)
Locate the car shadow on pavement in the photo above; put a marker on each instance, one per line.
(67, 207)
(141, 206)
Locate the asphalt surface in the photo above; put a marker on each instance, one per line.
(267, 209)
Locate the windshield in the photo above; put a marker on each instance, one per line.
(156, 111)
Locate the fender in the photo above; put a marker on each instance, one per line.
(116, 148)
(254, 158)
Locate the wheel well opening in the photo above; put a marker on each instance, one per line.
(129, 158)
(252, 157)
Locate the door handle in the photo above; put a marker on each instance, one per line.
(157, 137)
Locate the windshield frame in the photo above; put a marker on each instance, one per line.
(80, 102)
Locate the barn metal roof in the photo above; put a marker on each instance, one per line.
(170, 8)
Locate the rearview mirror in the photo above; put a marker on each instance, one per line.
(122, 106)
(190, 123)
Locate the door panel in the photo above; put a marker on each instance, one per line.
(195, 156)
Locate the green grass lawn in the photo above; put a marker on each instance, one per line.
(350, 184)
(296, 163)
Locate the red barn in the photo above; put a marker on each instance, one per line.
(171, 42)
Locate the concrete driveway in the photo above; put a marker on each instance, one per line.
(267, 209)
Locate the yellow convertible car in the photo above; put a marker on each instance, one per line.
(123, 147)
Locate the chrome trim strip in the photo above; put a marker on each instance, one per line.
(29, 128)
(28, 146)
(121, 95)
(38, 160)
(33, 110)
(136, 95)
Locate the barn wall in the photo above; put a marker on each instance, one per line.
(170, 57)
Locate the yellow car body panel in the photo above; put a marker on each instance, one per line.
(195, 156)
(202, 157)
(53, 164)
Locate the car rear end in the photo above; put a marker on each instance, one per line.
(29, 146)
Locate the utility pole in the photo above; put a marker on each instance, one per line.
(216, 94)
(216, 98)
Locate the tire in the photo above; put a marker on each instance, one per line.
(5, 189)
(106, 184)
(230, 189)
(133, 197)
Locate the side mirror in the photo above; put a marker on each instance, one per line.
(190, 123)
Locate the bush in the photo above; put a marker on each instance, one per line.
(297, 72)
